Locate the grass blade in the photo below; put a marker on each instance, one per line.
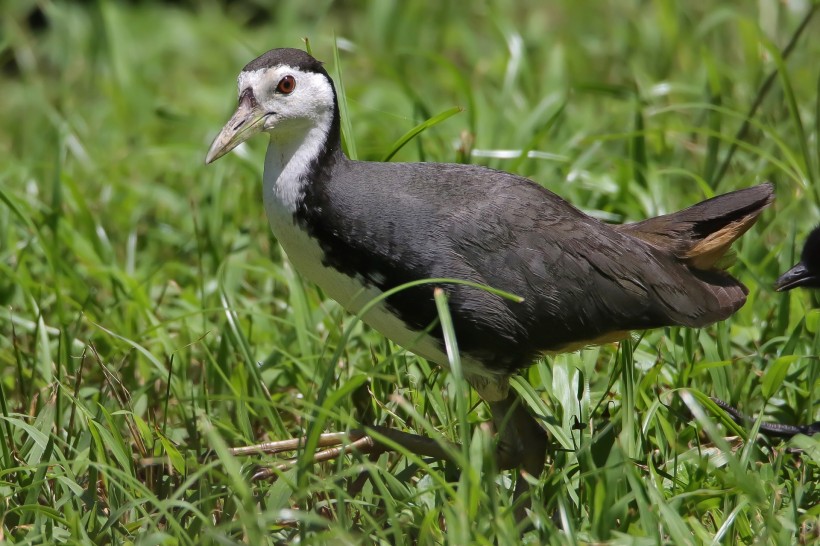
(418, 129)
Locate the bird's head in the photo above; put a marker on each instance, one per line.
(285, 92)
(806, 273)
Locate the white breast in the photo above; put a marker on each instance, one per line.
(306, 256)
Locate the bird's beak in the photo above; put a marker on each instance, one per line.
(248, 120)
(798, 275)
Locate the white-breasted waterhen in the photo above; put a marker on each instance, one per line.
(358, 229)
(806, 273)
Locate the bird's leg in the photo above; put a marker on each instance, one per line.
(521, 443)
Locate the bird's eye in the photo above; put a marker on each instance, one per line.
(286, 85)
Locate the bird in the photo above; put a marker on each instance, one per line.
(806, 272)
(358, 229)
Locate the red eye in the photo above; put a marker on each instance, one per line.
(286, 85)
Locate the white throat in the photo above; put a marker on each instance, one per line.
(287, 164)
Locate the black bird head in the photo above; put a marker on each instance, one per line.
(806, 273)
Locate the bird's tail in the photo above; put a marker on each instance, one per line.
(702, 234)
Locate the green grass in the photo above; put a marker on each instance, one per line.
(148, 314)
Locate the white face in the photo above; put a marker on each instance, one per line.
(296, 107)
(290, 98)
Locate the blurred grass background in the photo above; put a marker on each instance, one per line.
(149, 315)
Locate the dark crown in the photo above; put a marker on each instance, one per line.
(295, 58)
